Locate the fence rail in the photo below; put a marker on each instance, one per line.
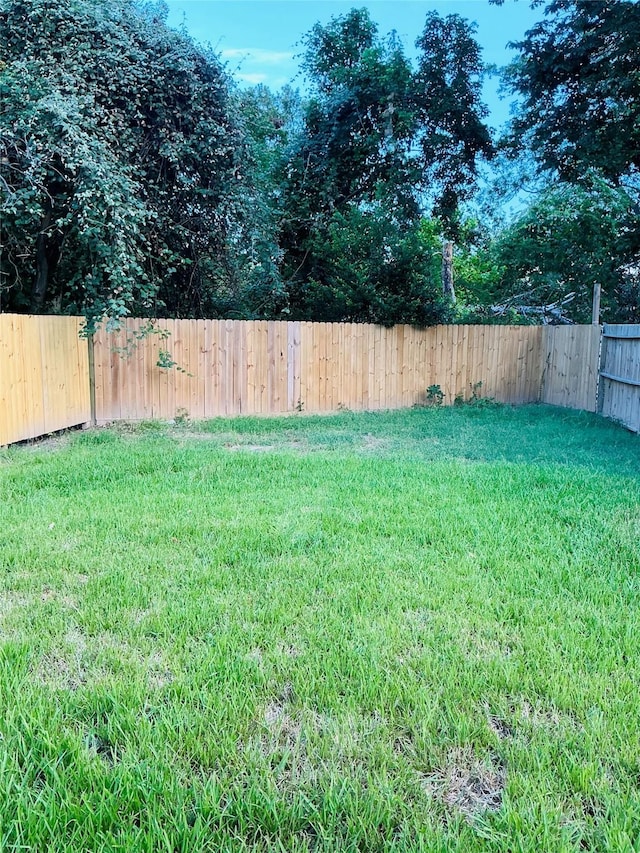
(207, 368)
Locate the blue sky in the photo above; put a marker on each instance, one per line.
(259, 39)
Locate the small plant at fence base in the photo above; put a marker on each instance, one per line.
(475, 398)
(435, 396)
(478, 400)
(476, 388)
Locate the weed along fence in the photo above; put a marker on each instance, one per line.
(619, 388)
(50, 378)
(224, 367)
(44, 376)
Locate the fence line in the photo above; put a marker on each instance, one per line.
(207, 368)
(44, 376)
(619, 387)
(225, 367)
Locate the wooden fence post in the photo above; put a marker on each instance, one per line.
(602, 362)
(595, 308)
(92, 380)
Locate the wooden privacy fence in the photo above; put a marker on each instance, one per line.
(44, 376)
(224, 367)
(619, 387)
(205, 368)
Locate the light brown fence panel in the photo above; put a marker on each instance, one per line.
(570, 369)
(619, 391)
(44, 376)
(502, 362)
(203, 368)
(206, 368)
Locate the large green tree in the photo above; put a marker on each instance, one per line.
(119, 163)
(272, 124)
(574, 237)
(577, 78)
(449, 114)
(383, 142)
(577, 75)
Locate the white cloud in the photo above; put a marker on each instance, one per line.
(256, 55)
(254, 79)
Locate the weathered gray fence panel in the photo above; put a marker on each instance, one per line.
(619, 386)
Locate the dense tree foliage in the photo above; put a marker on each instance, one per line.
(272, 124)
(119, 162)
(136, 178)
(450, 113)
(574, 236)
(577, 77)
(381, 142)
(373, 269)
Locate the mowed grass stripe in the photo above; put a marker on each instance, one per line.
(401, 631)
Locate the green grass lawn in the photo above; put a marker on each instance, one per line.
(402, 631)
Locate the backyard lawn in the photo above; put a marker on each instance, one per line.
(405, 631)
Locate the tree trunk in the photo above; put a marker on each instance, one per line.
(42, 264)
(595, 310)
(447, 271)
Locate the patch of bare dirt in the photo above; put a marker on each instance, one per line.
(102, 749)
(251, 448)
(281, 724)
(372, 443)
(548, 718)
(275, 711)
(158, 673)
(11, 600)
(49, 594)
(72, 579)
(57, 671)
(501, 729)
(289, 650)
(282, 743)
(49, 443)
(139, 615)
(348, 736)
(467, 784)
(256, 655)
(71, 543)
(418, 618)
(476, 644)
(80, 659)
(64, 668)
(298, 745)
